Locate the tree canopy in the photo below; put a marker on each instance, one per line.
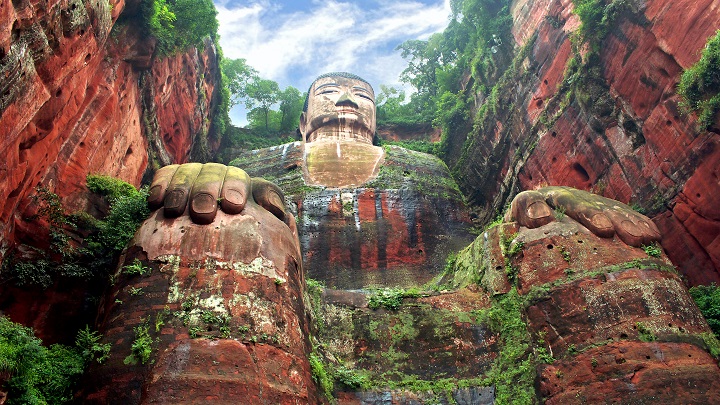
(271, 110)
(179, 24)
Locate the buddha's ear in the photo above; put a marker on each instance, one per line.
(303, 123)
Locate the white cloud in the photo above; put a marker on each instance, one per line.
(293, 48)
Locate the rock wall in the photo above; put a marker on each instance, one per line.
(83, 93)
(621, 135)
(398, 132)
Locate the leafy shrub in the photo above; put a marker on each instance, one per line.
(700, 84)
(141, 347)
(597, 17)
(37, 374)
(38, 272)
(351, 378)
(179, 24)
(707, 298)
(652, 250)
(111, 187)
(136, 268)
(127, 212)
(87, 342)
(128, 208)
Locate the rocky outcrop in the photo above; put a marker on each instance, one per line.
(621, 133)
(408, 132)
(397, 229)
(82, 93)
(620, 323)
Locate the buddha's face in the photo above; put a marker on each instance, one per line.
(339, 108)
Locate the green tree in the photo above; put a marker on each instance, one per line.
(707, 298)
(291, 105)
(36, 374)
(237, 76)
(423, 61)
(389, 102)
(262, 94)
(179, 24)
(158, 21)
(196, 20)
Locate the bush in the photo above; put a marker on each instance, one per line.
(390, 298)
(351, 378)
(136, 268)
(110, 187)
(127, 212)
(598, 17)
(179, 24)
(700, 84)
(707, 298)
(87, 342)
(128, 208)
(38, 272)
(320, 375)
(37, 374)
(141, 347)
(652, 250)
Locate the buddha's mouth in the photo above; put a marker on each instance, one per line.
(347, 110)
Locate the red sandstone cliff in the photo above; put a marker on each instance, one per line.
(82, 93)
(624, 137)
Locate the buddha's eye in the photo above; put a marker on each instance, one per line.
(363, 95)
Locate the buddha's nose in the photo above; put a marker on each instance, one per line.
(346, 100)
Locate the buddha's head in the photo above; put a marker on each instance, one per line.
(339, 106)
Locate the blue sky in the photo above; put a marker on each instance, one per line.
(294, 41)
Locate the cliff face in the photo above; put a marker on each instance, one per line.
(82, 93)
(621, 133)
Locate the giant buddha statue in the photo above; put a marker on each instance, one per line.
(338, 125)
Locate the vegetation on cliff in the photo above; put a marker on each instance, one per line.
(443, 68)
(179, 24)
(700, 84)
(707, 299)
(36, 374)
(79, 245)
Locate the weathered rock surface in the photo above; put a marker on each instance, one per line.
(223, 309)
(617, 323)
(397, 229)
(623, 136)
(398, 132)
(431, 337)
(620, 323)
(84, 94)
